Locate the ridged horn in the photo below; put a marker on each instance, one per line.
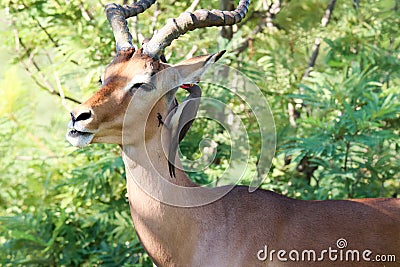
(117, 15)
(189, 21)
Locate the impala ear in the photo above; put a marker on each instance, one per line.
(191, 70)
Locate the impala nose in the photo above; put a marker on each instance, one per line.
(81, 115)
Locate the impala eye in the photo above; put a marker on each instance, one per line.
(134, 88)
(143, 86)
(147, 86)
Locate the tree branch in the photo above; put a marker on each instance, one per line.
(346, 158)
(55, 43)
(86, 14)
(313, 58)
(227, 31)
(154, 18)
(264, 22)
(44, 83)
(61, 92)
(191, 52)
(193, 6)
(356, 4)
(324, 22)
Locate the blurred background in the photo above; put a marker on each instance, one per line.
(329, 70)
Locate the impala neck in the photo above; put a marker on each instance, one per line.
(155, 221)
(149, 163)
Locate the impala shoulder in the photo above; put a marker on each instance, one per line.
(260, 200)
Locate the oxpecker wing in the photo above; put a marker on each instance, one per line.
(180, 121)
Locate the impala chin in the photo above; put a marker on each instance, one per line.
(79, 139)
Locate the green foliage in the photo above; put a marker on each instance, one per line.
(65, 207)
(350, 132)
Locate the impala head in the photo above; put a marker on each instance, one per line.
(140, 75)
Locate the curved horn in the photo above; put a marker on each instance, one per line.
(189, 21)
(117, 15)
